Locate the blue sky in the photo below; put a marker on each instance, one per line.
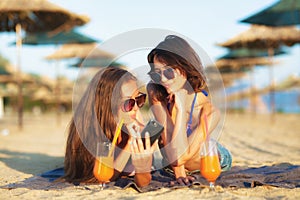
(205, 22)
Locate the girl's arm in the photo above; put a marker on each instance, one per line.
(197, 137)
(158, 100)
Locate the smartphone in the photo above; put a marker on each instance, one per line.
(154, 128)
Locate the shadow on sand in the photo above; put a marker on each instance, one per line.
(29, 163)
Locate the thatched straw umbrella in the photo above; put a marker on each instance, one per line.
(263, 37)
(9, 74)
(217, 78)
(247, 94)
(281, 13)
(43, 84)
(89, 50)
(46, 96)
(13, 79)
(48, 38)
(235, 68)
(34, 16)
(37, 16)
(243, 60)
(288, 83)
(96, 62)
(238, 63)
(9, 86)
(82, 51)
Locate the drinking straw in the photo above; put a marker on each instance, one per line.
(204, 126)
(117, 133)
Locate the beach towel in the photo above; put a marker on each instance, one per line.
(283, 175)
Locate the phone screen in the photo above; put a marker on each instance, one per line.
(154, 128)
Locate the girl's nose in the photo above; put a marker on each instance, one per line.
(135, 107)
(163, 78)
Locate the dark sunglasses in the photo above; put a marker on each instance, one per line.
(129, 103)
(168, 73)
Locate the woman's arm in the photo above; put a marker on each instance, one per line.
(158, 100)
(195, 140)
(178, 145)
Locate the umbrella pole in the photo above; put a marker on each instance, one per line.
(238, 97)
(57, 88)
(253, 96)
(272, 84)
(19, 76)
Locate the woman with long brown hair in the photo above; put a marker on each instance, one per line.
(111, 96)
(179, 101)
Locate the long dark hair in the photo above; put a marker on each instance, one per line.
(177, 53)
(94, 120)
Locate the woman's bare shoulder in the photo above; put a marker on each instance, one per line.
(202, 98)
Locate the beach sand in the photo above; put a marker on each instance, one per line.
(254, 141)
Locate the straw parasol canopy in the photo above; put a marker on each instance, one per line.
(228, 78)
(238, 63)
(249, 53)
(79, 51)
(41, 93)
(243, 59)
(37, 16)
(289, 83)
(247, 94)
(8, 75)
(44, 81)
(281, 13)
(34, 16)
(236, 68)
(14, 79)
(64, 37)
(228, 75)
(96, 62)
(48, 38)
(46, 94)
(9, 90)
(264, 37)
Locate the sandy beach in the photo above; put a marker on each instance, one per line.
(254, 141)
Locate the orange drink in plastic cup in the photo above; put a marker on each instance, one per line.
(103, 169)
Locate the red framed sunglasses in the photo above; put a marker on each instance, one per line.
(129, 104)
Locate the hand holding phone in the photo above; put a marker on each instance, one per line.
(154, 128)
